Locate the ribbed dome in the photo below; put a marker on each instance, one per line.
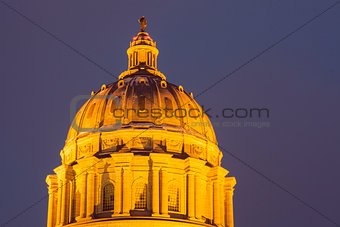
(140, 100)
(140, 152)
(141, 112)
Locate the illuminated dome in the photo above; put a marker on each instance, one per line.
(140, 152)
(142, 99)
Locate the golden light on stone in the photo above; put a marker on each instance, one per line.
(124, 166)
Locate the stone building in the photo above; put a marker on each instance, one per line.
(140, 152)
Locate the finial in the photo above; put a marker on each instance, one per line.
(142, 22)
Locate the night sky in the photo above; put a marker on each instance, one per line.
(200, 42)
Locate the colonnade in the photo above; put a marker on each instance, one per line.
(207, 193)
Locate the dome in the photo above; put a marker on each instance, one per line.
(140, 152)
(141, 100)
(164, 115)
(141, 113)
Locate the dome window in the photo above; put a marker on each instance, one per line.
(163, 84)
(103, 87)
(108, 197)
(90, 112)
(140, 196)
(120, 83)
(180, 88)
(142, 81)
(173, 197)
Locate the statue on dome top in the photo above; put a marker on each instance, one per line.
(142, 22)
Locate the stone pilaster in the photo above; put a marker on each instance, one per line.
(191, 195)
(155, 191)
(59, 199)
(164, 192)
(82, 183)
(229, 192)
(193, 168)
(65, 174)
(217, 202)
(159, 183)
(90, 194)
(217, 175)
(118, 191)
(86, 169)
(123, 166)
(52, 182)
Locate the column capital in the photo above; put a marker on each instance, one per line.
(230, 182)
(160, 157)
(87, 164)
(194, 165)
(52, 181)
(64, 172)
(218, 173)
(122, 160)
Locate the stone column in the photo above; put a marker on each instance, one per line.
(90, 194)
(160, 163)
(50, 208)
(191, 195)
(198, 197)
(123, 166)
(155, 191)
(194, 167)
(217, 202)
(126, 191)
(222, 200)
(71, 205)
(60, 188)
(164, 192)
(64, 202)
(118, 192)
(229, 192)
(82, 186)
(65, 174)
(52, 182)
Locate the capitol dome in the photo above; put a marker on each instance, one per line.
(140, 152)
(142, 99)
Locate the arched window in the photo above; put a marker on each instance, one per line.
(140, 195)
(173, 198)
(108, 197)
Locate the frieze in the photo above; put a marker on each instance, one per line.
(85, 149)
(174, 145)
(197, 151)
(110, 144)
(142, 143)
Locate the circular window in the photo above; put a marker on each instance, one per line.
(121, 83)
(163, 84)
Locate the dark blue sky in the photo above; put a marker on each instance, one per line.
(199, 42)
